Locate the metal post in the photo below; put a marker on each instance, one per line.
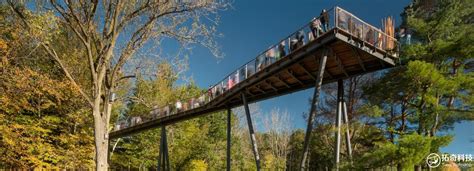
(246, 72)
(160, 153)
(348, 136)
(336, 22)
(228, 137)
(251, 131)
(340, 91)
(312, 113)
(108, 152)
(163, 159)
(167, 157)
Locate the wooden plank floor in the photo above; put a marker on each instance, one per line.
(295, 72)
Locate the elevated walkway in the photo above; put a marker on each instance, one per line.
(352, 47)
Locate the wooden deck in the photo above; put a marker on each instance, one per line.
(295, 72)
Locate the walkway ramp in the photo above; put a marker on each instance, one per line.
(352, 46)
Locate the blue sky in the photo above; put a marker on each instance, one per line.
(252, 26)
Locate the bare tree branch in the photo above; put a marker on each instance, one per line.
(55, 56)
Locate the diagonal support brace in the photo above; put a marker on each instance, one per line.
(252, 132)
(314, 102)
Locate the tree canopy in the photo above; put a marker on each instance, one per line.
(62, 62)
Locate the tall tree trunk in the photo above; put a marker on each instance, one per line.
(404, 116)
(391, 125)
(417, 167)
(102, 144)
(436, 122)
(455, 70)
(100, 136)
(420, 108)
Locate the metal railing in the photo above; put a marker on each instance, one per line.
(369, 34)
(315, 28)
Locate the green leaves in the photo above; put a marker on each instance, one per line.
(371, 110)
(444, 33)
(408, 150)
(195, 144)
(430, 92)
(412, 149)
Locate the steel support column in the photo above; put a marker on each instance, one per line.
(348, 136)
(163, 159)
(341, 112)
(251, 131)
(314, 102)
(340, 91)
(229, 128)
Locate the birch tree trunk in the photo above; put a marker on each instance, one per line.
(101, 140)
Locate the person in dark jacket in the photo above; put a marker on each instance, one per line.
(293, 44)
(300, 37)
(324, 18)
(281, 50)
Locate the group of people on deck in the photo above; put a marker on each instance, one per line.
(317, 27)
(178, 106)
(360, 30)
(167, 110)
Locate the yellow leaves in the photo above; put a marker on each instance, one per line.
(197, 165)
(269, 161)
(37, 122)
(3, 47)
(8, 141)
(42, 117)
(24, 89)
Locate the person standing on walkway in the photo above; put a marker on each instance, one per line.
(315, 27)
(300, 37)
(237, 76)
(293, 43)
(210, 94)
(324, 20)
(270, 55)
(281, 50)
(179, 106)
(230, 82)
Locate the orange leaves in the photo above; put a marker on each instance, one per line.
(3, 47)
(42, 122)
(26, 90)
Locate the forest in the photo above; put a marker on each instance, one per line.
(60, 63)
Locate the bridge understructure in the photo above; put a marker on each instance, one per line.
(348, 47)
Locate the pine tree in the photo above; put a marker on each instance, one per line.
(431, 91)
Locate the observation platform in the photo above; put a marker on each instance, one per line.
(352, 46)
